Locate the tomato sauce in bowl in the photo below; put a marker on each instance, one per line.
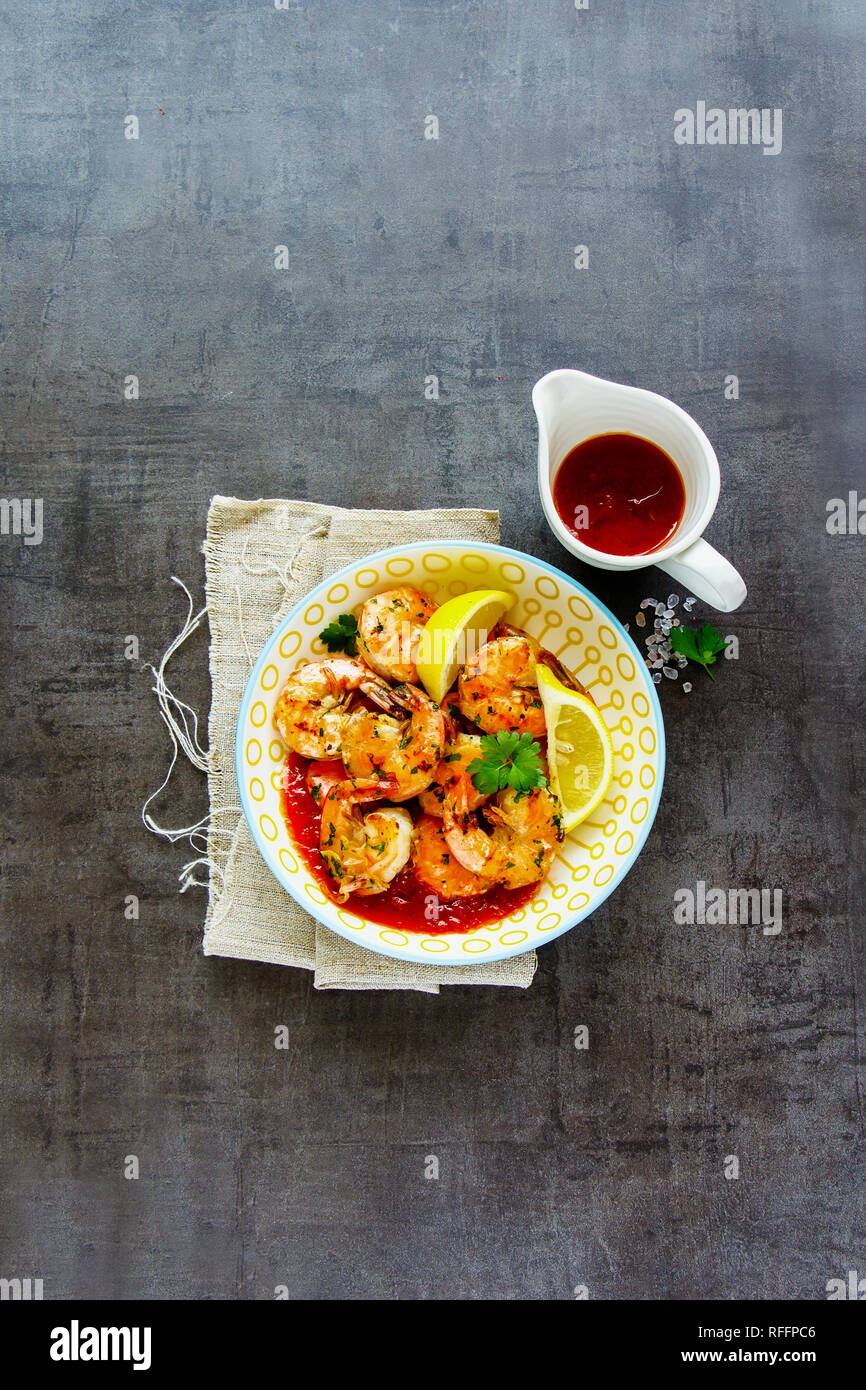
(406, 900)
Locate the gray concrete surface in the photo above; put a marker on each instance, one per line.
(154, 257)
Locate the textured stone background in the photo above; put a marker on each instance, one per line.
(409, 257)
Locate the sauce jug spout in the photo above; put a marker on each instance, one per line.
(556, 393)
(559, 399)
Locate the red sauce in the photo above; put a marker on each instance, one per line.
(620, 494)
(403, 904)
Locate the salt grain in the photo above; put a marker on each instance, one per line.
(660, 608)
(640, 619)
(647, 603)
(657, 677)
(671, 672)
(687, 685)
(689, 603)
(673, 600)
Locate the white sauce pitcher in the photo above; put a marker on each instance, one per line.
(573, 406)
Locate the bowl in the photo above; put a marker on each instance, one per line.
(586, 637)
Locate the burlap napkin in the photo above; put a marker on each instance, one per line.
(261, 558)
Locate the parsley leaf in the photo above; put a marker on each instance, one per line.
(507, 760)
(702, 646)
(341, 635)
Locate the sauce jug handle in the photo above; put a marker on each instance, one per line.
(708, 575)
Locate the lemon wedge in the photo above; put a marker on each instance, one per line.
(447, 640)
(579, 750)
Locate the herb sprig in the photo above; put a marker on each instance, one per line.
(702, 646)
(342, 635)
(508, 759)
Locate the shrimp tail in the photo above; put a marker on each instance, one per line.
(563, 675)
(357, 791)
(402, 697)
(381, 694)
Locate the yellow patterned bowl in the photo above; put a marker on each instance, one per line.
(587, 638)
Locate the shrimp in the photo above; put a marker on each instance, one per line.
(312, 704)
(401, 748)
(498, 687)
(363, 852)
(520, 847)
(438, 868)
(322, 776)
(451, 783)
(389, 631)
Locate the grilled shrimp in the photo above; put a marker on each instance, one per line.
(363, 852)
(389, 631)
(451, 783)
(498, 687)
(322, 776)
(438, 868)
(498, 690)
(520, 847)
(312, 704)
(401, 749)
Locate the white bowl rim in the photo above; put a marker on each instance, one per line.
(578, 915)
